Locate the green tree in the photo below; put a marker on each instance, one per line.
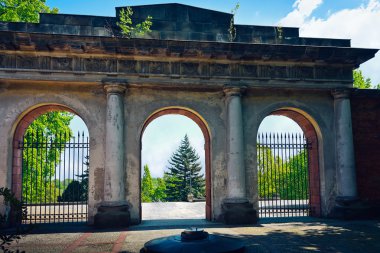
(146, 186)
(159, 190)
(126, 24)
(183, 176)
(361, 82)
(23, 10)
(76, 190)
(295, 177)
(269, 171)
(39, 162)
(280, 178)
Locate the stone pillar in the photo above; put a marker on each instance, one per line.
(347, 202)
(236, 208)
(113, 211)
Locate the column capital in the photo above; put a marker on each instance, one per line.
(114, 88)
(230, 91)
(341, 93)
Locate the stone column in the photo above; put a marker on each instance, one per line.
(113, 211)
(347, 196)
(114, 163)
(236, 208)
(344, 145)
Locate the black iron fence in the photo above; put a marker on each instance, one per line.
(55, 177)
(283, 175)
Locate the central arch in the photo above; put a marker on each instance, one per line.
(199, 120)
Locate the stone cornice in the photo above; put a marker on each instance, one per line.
(240, 52)
(161, 67)
(64, 57)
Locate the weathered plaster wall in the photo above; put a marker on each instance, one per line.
(89, 105)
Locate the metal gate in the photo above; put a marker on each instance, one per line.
(55, 177)
(283, 175)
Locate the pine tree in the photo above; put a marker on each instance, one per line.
(183, 176)
(146, 186)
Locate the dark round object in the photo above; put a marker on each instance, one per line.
(194, 241)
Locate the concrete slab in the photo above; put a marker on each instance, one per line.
(173, 210)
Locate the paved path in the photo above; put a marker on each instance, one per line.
(173, 210)
(306, 235)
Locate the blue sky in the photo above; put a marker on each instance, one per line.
(251, 12)
(358, 20)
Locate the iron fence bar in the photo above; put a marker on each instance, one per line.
(296, 182)
(283, 174)
(64, 174)
(36, 172)
(287, 154)
(278, 177)
(44, 172)
(267, 172)
(60, 170)
(307, 173)
(47, 165)
(55, 178)
(69, 163)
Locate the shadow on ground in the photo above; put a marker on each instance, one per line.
(292, 235)
(326, 236)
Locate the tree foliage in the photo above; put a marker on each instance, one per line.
(159, 190)
(295, 177)
(146, 186)
(76, 190)
(23, 10)
(184, 174)
(39, 162)
(282, 179)
(361, 82)
(268, 168)
(128, 30)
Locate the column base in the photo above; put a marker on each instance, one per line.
(350, 208)
(238, 212)
(112, 215)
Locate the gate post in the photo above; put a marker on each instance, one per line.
(347, 202)
(113, 211)
(236, 208)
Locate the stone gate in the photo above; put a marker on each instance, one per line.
(186, 66)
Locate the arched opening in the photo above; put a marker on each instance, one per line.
(288, 165)
(181, 115)
(51, 165)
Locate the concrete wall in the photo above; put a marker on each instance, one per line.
(366, 129)
(140, 103)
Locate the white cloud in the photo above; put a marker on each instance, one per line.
(361, 25)
(302, 10)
